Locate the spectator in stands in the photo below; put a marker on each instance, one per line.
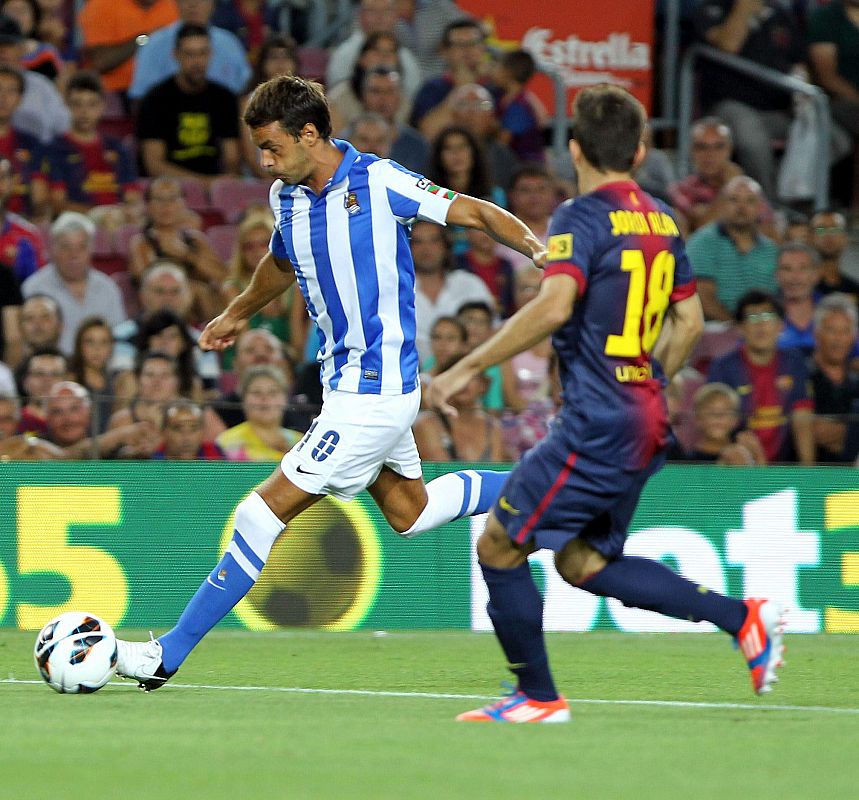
(7, 380)
(41, 323)
(373, 16)
(285, 316)
(521, 114)
(833, 38)
(183, 435)
(482, 259)
(466, 57)
(371, 133)
(532, 197)
(421, 26)
(24, 154)
(39, 56)
(41, 111)
(797, 228)
(21, 249)
(90, 172)
(472, 108)
(113, 32)
(57, 27)
(69, 426)
(80, 290)
(768, 34)
(458, 163)
(379, 50)
(381, 94)
(166, 236)
(255, 347)
(164, 285)
(261, 437)
(731, 256)
(440, 290)
(90, 367)
(773, 383)
(478, 319)
(473, 435)
(829, 237)
(834, 381)
(278, 56)
(797, 274)
(254, 22)
(188, 126)
(156, 62)
(716, 410)
(11, 300)
(698, 197)
(36, 374)
(448, 339)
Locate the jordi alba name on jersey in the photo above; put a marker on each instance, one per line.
(350, 249)
(623, 249)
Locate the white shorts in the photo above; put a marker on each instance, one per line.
(353, 437)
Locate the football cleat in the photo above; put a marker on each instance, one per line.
(761, 641)
(518, 707)
(141, 661)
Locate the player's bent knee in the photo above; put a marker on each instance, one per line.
(495, 549)
(578, 561)
(257, 523)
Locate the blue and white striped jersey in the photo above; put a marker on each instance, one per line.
(350, 250)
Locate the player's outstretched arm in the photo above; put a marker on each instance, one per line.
(501, 225)
(270, 280)
(684, 324)
(532, 323)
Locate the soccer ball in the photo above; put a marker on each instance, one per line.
(76, 653)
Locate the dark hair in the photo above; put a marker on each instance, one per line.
(463, 333)
(24, 367)
(11, 72)
(158, 321)
(189, 29)
(757, 297)
(461, 24)
(608, 123)
(356, 81)
(58, 309)
(154, 355)
(529, 171)
(479, 181)
(276, 41)
(384, 72)
(477, 305)
(36, 11)
(293, 102)
(76, 362)
(520, 64)
(85, 80)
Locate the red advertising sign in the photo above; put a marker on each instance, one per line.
(587, 42)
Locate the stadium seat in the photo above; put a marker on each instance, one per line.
(233, 195)
(124, 236)
(123, 280)
(223, 240)
(196, 196)
(718, 340)
(313, 62)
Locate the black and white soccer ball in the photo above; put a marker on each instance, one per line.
(75, 653)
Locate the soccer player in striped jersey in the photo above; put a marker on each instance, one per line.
(341, 231)
(619, 299)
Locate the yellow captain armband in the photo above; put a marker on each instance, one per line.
(560, 247)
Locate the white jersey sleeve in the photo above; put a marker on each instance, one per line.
(412, 196)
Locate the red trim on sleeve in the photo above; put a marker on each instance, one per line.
(684, 291)
(567, 268)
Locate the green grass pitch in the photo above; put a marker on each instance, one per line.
(384, 728)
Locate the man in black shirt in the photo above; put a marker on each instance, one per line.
(188, 126)
(829, 237)
(836, 385)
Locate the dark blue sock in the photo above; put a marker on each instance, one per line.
(516, 610)
(642, 583)
(223, 588)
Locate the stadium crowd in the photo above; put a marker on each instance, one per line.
(134, 208)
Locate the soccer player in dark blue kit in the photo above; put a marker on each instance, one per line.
(619, 299)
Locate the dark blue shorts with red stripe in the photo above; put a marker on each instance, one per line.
(556, 494)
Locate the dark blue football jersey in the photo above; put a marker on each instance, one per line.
(626, 254)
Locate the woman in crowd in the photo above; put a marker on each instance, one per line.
(261, 437)
(167, 234)
(39, 56)
(89, 366)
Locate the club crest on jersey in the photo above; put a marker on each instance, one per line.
(560, 247)
(350, 203)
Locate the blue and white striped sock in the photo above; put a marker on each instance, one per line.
(456, 495)
(256, 530)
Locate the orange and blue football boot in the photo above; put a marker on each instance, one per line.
(518, 707)
(761, 641)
